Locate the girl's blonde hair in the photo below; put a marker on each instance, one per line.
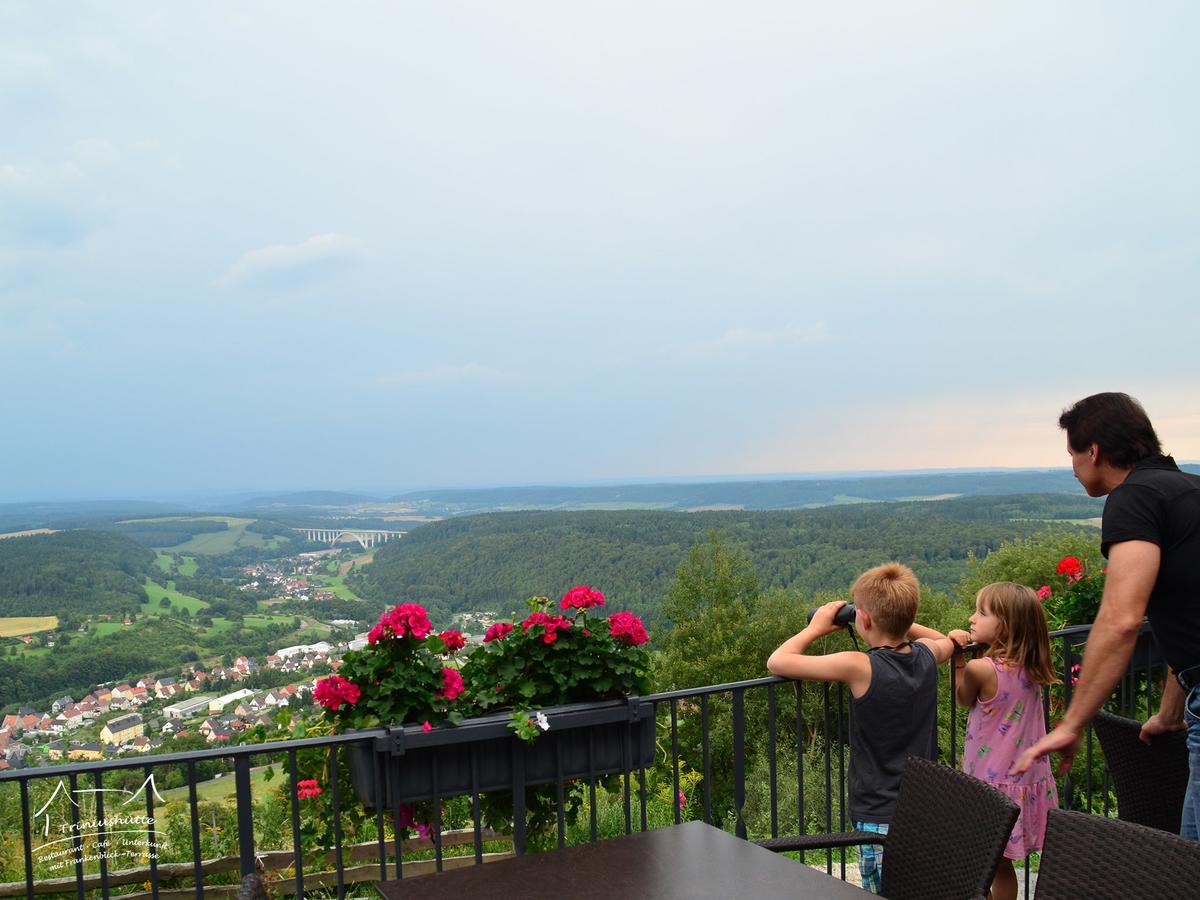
(1022, 637)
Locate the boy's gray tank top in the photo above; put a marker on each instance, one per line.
(895, 719)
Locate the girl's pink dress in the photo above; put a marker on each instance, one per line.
(998, 730)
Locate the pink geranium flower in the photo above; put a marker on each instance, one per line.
(1043, 593)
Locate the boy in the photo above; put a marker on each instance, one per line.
(893, 687)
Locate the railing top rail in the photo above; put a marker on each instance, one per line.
(193, 755)
(715, 689)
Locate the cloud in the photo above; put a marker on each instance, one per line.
(287, 263)
(438, 374)
(742, 340)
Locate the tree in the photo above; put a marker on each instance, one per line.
(709, 604)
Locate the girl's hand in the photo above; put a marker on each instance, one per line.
(960, 637)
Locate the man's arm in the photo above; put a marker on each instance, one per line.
(1132, 571)
(851, 667)
(1170, 711)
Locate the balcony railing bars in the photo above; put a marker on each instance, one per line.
(705, 728)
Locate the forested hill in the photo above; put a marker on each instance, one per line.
(72, 571)
(792, 493)
(494, 561)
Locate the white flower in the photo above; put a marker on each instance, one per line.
(542, 722)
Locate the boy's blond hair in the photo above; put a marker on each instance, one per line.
(891, 594)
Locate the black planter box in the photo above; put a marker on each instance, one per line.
(1145, 655)
(419, 765)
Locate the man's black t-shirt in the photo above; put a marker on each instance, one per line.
(1158, 503)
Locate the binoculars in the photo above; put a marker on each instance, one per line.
(844, 617)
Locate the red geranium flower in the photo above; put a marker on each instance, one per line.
(581, 597)
(497, 631)
(1071, 567)
(452, 684)
(627, 628)
(1043, 593)
(333, 691)
(453, 640)
(551, 624)
(308, 788)
(407, 618)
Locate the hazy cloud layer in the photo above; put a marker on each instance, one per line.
(474, 242)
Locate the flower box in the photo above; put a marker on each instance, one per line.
(621, 734)
(1145, 655)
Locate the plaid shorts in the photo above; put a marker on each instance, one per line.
(870, 857)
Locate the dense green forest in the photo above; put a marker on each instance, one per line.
(72, 572)
(493, 561)
(166, 532)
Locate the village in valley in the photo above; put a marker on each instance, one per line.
(221, 701)
(153, 713)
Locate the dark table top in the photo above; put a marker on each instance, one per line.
(691, 861)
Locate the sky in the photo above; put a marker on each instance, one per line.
(379, 246)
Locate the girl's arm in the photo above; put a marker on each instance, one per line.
(977, 679)
(939, 645)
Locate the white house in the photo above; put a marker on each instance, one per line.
(219, 703)
(321, 647)
(185, 709)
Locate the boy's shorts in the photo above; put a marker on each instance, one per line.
(870, 857)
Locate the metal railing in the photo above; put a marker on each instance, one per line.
(730, 742)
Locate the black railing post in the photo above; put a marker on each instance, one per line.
(739, 759)
(518, 800)
(245, 814)
(197, 858)
(297, 850)
(707, 766)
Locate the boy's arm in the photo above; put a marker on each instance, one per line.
(939, 645)
(850, 666)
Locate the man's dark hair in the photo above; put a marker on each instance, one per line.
(1114, 422)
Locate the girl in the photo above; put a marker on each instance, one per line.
(1003, 688)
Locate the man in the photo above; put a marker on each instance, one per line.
(1151, 538)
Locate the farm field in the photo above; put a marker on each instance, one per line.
(104, 629)
(15, 626)
(156, 592)
(166, 562)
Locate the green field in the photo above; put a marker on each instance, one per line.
(251, 621)
(187, 566)
(223, 788)
(156, 592)
(335, 584)
(164, 563)
(103, 629)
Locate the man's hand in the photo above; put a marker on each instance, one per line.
(822, 620)
(1156, 724)
(960, 637)
(1063, 740)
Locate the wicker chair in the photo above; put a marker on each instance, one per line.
(1106, 859)
(945, 841)
(1150, 780)
(252, 888)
